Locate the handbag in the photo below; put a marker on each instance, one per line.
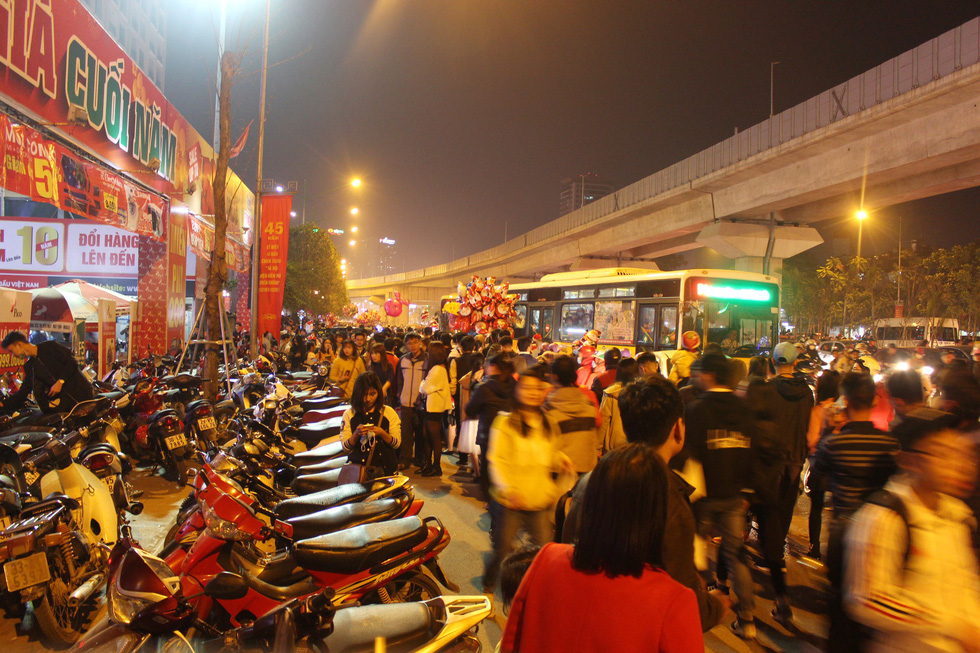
(467, 436)
(357, 472)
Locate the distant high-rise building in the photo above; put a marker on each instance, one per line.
(384, 262)
(584, 189)
(140, 29)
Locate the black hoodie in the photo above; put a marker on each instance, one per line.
(782, 412)
(491, 397)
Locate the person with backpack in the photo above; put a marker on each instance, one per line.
(910, 575)
(856, 460)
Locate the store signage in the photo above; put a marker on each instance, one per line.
(15, 315)
(736, 293)
(46, 171)
(73, 247)
(387, 241)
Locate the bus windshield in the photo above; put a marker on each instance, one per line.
(732, 326)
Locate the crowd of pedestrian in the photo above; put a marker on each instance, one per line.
(615, 466)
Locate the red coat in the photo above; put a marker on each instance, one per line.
(559, 609)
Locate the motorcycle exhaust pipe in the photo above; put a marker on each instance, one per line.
(85, 590)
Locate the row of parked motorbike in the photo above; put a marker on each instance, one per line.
(269, 551)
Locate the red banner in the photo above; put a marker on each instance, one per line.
(151, 328)
(15, 315)
(107, 335)
(47, 171)
(273, 247)
(176, 275)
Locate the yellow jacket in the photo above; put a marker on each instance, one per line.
(522, 466)
(681, 365)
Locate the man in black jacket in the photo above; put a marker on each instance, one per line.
(653, 414)
(50, 372)
(718, 435)
(783, 407)
(493, 395)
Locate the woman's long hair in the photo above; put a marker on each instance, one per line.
(343, 354)
(437, 355)
(362, 384)
(624, 514)
(378, 348)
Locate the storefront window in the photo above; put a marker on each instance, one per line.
(576, 320)
(614, 321)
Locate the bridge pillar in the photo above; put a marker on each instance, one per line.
(748, 243)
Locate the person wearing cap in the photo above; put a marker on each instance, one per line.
(782, 408)
(680, 370)
(607, 377)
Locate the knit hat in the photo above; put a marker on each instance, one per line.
(690, 340)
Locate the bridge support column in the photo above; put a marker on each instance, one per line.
(752, 244)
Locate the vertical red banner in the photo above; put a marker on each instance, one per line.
(107, 335)
(273, 248)
(176, 279)
(151, 332)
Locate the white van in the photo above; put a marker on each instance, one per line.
(909, 331)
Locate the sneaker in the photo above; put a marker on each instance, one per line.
(782, 612)
(717, 585)
(814, 552)
(744, 629)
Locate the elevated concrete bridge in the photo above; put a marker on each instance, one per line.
(907, 129)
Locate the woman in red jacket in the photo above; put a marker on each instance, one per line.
(609, 592)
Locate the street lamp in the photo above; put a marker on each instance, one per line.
(352, 242)
(354, 210)
(355, 182)
(278, 189)
(353, 229)
(862, 215)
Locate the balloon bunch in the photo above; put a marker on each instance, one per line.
(371, 318)
(393, 307)
(349, 311)
(330, 320)
(481, 305)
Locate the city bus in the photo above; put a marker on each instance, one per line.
(910, 331)
(643, 310)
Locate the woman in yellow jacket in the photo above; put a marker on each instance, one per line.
(346, 367)
(523, 456)
(681, 361)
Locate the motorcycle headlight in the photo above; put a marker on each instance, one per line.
(927, 371)
(220, 528)
(902, 367)
(141, 581)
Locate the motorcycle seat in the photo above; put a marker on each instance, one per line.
(325, 466)
(42, 419)
(304, 375)
(332, 520)
(319, 454)
(404, 626)
(112, 395)
(29, 435)
(182, 380)
(225, 404)
(311, 483)
(304, 505)
(314, 416)
(354, 549)
(323, 403)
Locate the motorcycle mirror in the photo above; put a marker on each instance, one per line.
(226, 585)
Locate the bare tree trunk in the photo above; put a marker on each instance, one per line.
(217, 269)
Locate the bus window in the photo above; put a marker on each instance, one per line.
(946, 334)
(648, 326)
(668, 327)
(614, 320)
(576, 320)
(541, 322)
(520, 319)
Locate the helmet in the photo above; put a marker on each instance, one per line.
(690, 340)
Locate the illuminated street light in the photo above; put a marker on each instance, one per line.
(861, 215)
(292, 214)
(278, 189)
(355, 182)
(353, 229)
(354, 210)
(343, 261)
(352, 242)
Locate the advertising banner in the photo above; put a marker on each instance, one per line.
(273, 247)
(71, 247)
(176, 279)
(151, 326)
(200, 234)
(107, 335)
(48, 172)
(15, 315)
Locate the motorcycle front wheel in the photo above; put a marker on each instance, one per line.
(59, 623)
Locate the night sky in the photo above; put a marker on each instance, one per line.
(462, 116)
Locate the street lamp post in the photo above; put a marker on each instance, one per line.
(861, 215)
(257, 223)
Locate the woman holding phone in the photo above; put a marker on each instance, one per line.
(368, 424)
(346, 368)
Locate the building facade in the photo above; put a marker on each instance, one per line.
(140, 28)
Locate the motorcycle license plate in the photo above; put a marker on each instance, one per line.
(175, 441)
(25, 572)
(206, 423)
(110, 481)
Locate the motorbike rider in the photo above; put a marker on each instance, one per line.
(50, 372)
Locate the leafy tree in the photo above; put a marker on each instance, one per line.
(313, 279)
